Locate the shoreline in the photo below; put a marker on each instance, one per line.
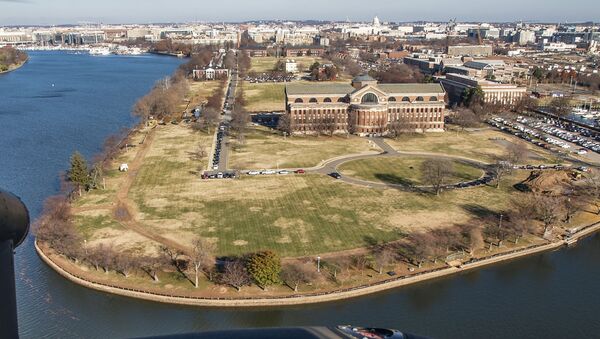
(313, 298)
(16, 67)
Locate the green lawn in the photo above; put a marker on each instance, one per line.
(303, 214)
(484, 145)
(403, 170)
(295, 215)
(264, 97)
(266, 149)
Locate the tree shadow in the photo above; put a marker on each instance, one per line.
(479, 211)
(393, 179)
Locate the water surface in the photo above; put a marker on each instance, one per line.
(59, 102)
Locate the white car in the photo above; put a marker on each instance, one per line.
(283, 172)
(267, 172)
(582, 152)
(253, 173)
(216, 167)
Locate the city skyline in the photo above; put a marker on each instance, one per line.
(38, 12)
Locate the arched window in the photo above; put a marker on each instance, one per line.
(313, 100)
(406, 99)
(327, 100)
(298, 101)
(342, 99)
(369, 98)
(433, 99)
(393, 99)
(419, 99)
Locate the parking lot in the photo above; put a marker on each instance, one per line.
(557, 136)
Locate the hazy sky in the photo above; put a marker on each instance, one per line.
(15, 12)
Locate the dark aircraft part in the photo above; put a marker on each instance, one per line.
(14, 226)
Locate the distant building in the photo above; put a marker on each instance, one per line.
(310, 51)
(291, 66)
(470, 50)
(365, 107)
(210, 73)
(524, 37)
(558, 47)
(494, 92)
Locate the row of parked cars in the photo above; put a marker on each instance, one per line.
(218, 147)
(565, 131)
(524, 133)
(218, 175)
(482, 181)
(271, 172)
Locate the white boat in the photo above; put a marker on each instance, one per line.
(99, 51)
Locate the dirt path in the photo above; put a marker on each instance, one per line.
(126, 210)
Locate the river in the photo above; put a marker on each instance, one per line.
(60, 102)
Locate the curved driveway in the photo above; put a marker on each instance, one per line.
(388, 151)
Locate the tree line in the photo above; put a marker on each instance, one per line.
(10, 56)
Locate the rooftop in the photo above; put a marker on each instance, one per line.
(411, 88)
(363, 78)
(321, 88)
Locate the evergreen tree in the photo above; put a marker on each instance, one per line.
(78, 174)
(264, 268)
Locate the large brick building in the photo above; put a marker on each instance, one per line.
(364, 107)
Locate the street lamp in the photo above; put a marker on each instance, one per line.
(319, 264)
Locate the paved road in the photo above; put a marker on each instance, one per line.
(226, 119)
(388, 151)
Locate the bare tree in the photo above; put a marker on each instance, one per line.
(548, 210)
(296, 274)
(202, 256)
(125, 262)
(500, 169)
(360, 262)
(417, 248)
(285, 123)
(55, 228)
(516, 153)
(465, 118)
(472, 237)
(521, 217)
(571, 206)
(591, 189)
(435, 173)
(152, 265)
(210, 118)
(400, 126)
(383, 258)
(200, 152)
(235, 274)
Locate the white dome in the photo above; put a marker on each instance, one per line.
(376, 21)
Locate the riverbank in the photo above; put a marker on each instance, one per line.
(14, 67)
(311, 298)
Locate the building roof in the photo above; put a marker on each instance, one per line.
(343, 89)
(362, 78)
(411, 88)
(481, 64)
(322, 88)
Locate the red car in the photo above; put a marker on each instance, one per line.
(300, 171)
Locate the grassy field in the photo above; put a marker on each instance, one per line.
(299, 215)
(403, 170)
(484, 145)
(265, 97)
(265, 64)
(201, 90)
(295, 215)
(265, 149)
